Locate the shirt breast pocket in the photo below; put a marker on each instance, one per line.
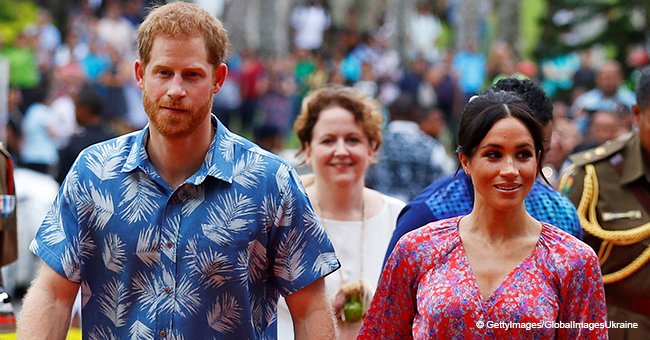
(220, 253)
(232, 236)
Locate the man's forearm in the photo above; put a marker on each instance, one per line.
(43, 316)
(319, 324)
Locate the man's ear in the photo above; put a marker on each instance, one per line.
(139, 73)
(219, 77)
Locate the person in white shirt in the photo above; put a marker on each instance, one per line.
(309, 22)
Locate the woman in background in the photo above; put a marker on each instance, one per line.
(457, 278)
(340, 132)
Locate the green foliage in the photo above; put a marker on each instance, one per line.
(529, 28)
(619, 17)
(15, 15)
(531, 12)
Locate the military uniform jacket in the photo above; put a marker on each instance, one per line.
(8, 233)
(610, 187)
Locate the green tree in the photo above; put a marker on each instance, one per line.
(572, 25)
(14, 17)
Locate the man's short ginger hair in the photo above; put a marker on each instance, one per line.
(184, 20)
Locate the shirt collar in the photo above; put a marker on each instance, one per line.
(634, 167)
(219, 161)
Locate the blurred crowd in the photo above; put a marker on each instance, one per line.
(69, 91)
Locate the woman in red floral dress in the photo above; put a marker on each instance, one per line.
(497, 272)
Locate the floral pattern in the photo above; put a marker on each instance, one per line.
(428, 291)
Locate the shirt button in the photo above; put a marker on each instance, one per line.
(169, 244)
(163, 334)
(166, 290)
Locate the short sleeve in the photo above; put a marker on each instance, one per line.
(583, 298)
(57, 239)
(302, 252)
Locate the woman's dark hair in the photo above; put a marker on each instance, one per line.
(483, 111)
(533, 94)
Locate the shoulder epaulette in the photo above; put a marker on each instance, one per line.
(600, 152)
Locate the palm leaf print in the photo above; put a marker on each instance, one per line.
(85, 205)
(105, 161)
(185, 301)
(176, 335)
(242, 274)
(224, 314)
(212, 267)
(168, 279)
(297, 182)
(324, 263)
(249, 170)
(70, 263)
(86, 246)
(260, 313)
(146, 288)
(271, 312)
(139, 197)
(215, 171)
(134, 157)
(288, 203)
(289, 262)
(104, 208)
(170, 234)
(112, 302)
(226, 218)
(282, 178)
(270, 210)
(34, 247)
(194, 196)
(102, 333)
(259, 150)
(95, 207)
(257, 261)
(227, 147)
(70, 183)
(208, 162)
(313, 226)
(86, 293)
(113, 253)
(147, 247)
(53, 232)
(138, 331)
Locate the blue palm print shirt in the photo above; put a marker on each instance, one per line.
(206, 260)
(453, 196)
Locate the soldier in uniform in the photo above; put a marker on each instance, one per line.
(610, 186)
(8, 235)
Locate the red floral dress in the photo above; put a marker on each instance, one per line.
(427, 291)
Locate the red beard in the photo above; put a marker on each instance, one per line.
(175, 125)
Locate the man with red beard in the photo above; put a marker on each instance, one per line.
(182, 229)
